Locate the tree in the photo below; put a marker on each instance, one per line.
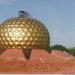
(72, 51)
(59, 47)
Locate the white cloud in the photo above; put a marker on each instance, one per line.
(7, 2)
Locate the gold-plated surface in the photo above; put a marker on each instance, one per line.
(25, 33)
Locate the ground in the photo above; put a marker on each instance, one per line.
(40, 62)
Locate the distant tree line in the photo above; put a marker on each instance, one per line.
(63, 48)
(72, 51)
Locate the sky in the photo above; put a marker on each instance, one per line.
(57, 15)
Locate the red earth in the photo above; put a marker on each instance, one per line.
(13, 61)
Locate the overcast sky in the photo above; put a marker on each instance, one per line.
(57, 15)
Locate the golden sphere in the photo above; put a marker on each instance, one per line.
(23, 32)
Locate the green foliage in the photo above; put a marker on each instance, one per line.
(59, 47)
(62, 48)
(72, 51)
